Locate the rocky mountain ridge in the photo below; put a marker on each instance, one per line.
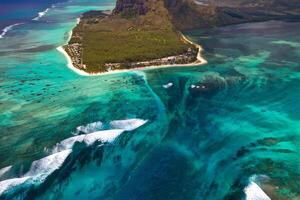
(190, 14)
(131, 7)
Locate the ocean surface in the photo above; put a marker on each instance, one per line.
(226, 130)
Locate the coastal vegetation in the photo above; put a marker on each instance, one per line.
(139, 33)
(103, 42)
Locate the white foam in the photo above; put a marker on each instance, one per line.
(8, 28)
(128, 124)
(41, 169)
(44, 167)
(90, 128)
(68, 143)
(103, 136)
(4, 170)
(254, 192)
(38, 172)
(88, 139)
(78, 20)
(94, 133)
(7, 184)
(41, 14)
(168, 85)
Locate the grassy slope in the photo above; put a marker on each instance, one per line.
(119, 40)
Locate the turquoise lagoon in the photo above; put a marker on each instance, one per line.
(226, 130)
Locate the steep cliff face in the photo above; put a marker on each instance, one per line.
(131, 7)
(189, 14)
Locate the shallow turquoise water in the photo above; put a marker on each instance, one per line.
(218, 128)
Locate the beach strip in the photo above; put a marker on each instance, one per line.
(200, 61)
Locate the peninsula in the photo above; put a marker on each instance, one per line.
(147, 33)
(136, 34)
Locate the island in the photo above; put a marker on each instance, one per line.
(136, 34)
(148, 33)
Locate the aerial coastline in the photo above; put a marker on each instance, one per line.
(140, 34)
(200, 61)
(145, 129)
(151, 41)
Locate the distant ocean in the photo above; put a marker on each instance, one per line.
(13, 12)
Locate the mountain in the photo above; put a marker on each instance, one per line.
(131, 7)
(190, 14)
(138, 33)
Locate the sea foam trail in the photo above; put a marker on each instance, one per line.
(8, 28)
(41, 14)
(127, 124)
(254, 192)
(39, 171)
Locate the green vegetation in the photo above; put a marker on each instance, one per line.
(114, 39)
(131, 46)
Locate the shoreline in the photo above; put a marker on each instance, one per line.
(200, 60)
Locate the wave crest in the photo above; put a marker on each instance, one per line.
(38, 171)
(90, 128)
(88, 139)
(41, 14)
(8, 28)
(41, 169)
(127, 124)
(254, 192)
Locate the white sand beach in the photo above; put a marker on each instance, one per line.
(200, 61)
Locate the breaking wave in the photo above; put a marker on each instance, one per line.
(4, 170)
(88, 139)
(10, 183)
(38, 171)
(8, 28)
(41, 14)
(128, 124)
(254, 192)
(41, 169)
(90, 128)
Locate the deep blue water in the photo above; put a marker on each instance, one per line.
(18, 11)
(226, 130)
